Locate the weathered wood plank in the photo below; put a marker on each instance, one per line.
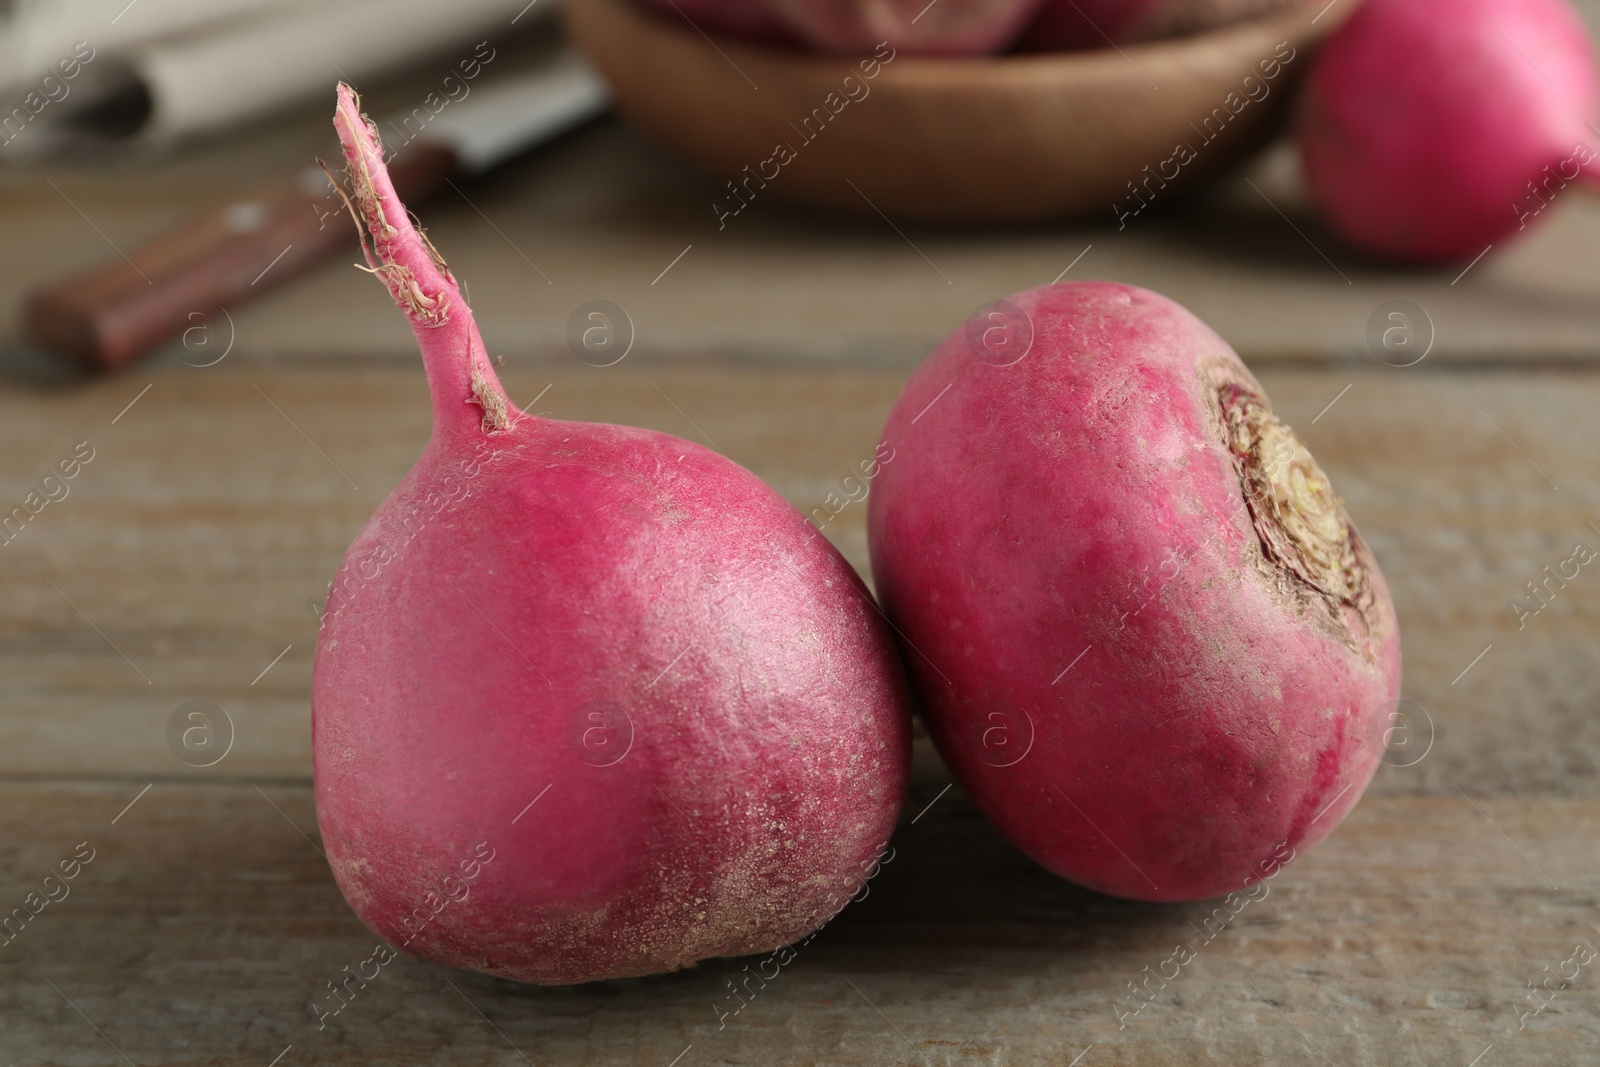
(206, 525)
(603, 214)
(185, 559)
(206, 926)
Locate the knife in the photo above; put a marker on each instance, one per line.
(112, 314)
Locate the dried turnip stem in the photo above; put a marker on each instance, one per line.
(467, 396)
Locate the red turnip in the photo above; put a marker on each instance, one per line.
(1147, 638)
(949, 27)
(1068, 25)
(750, 19)
(589, 701)
(1432, 129)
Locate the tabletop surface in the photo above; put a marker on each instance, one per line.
(190, 556)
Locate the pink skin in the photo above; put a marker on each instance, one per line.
(949, 27)
(1073, 25)
(750, 19)
(1425, 121)
(1128, 687)
(629, 629)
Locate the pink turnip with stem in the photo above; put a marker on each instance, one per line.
(750, 19)
(1072, 25)
(916, 27)
(1433, 129)
(1146, 636)
(589, 701)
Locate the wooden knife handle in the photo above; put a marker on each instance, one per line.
(115, 313)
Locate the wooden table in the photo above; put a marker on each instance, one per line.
(187, 559)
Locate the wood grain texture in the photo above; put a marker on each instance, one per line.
(207, 926)
(191, 549)
(602, 214)
(192, 546)
(220, 504)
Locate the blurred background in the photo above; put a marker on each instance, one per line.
(177, 303)
(601, 212)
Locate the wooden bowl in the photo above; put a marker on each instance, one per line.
(1013, 137)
